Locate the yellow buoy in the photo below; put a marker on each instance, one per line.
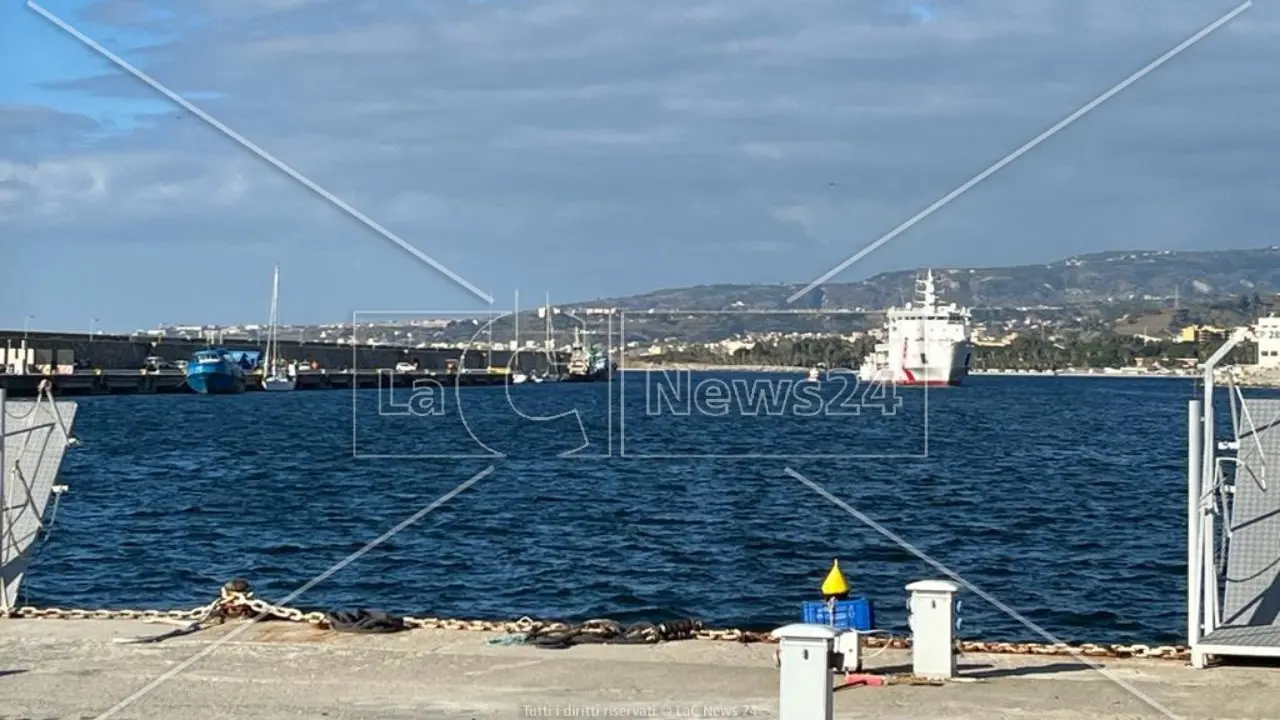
(835, 586)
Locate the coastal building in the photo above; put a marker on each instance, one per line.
(1201, 334)
(988, 340)
(1268, 334)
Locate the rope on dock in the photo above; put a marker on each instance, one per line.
(236, 601)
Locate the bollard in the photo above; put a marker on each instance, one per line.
(932, 623)
(805, 690)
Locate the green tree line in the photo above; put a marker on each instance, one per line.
(1032, 353)
(1024, 353)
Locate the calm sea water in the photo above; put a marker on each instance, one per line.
(1062, 498)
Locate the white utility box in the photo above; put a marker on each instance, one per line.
(805, 690)
(848, 645)
(932, 623)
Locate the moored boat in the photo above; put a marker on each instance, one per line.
(277, 378)
(587, 362)
(214, 372)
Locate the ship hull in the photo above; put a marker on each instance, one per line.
(597, 376)
(944, 365)
(214, 379)
(277, 383)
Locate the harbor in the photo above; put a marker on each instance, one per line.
(844, 411)
(93, 365)
(933, 661)
(469, 658)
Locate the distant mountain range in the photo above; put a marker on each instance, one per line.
(1121, 276)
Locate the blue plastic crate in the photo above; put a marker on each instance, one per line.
(852, 614)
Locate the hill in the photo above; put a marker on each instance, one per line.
(1128, 291)
(1110, 277)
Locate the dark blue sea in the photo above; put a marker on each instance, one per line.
(650, 498)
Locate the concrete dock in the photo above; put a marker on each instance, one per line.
(276, 670)
(136, 382)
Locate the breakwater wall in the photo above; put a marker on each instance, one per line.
(129, 352)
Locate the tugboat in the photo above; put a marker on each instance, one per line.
(214, 372)
(587, 363)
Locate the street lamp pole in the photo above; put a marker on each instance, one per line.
(92, 324)
(26, 325)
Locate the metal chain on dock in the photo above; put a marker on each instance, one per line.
(236, 600)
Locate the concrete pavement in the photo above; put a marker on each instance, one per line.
(275, 670)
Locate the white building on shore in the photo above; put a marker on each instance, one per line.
(1268, 334)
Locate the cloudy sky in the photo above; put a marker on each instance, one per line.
(603, 147)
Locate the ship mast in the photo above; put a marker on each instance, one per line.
(930, 299)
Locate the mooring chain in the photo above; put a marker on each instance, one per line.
(194, 615)
(236, 600)
(1160, 652)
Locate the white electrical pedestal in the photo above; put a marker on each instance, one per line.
(848, 646)
(805, 690)
(932, 623)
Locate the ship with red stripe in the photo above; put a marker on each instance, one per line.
(926, 342)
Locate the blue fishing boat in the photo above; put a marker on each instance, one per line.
(214, 371)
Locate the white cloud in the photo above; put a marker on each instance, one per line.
(552, 129)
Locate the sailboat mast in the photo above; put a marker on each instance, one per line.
(272, 349)
(515, 358)
(548, 344)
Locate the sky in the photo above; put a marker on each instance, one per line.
(591, 148)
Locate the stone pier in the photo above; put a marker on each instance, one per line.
(276, 670)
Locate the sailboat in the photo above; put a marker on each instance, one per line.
(275, 380)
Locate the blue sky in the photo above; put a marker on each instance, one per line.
(593, 149)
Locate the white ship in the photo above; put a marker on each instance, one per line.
(926, 343)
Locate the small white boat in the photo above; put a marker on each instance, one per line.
(518, 377)
(275, 380)
(279, 383)
(815, 375)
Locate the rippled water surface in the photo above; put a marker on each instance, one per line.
(1061, 498)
